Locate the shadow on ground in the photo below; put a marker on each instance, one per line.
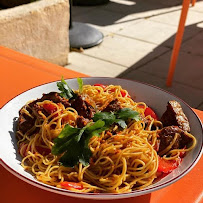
(122, 8)
(187, 82)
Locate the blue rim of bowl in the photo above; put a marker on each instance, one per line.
(123, 195)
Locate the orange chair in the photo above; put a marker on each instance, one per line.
(178, 40)
(193, 2)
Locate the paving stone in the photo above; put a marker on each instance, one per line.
(188, 70)
(138, 7)
(198, 7)
(190, 95)
(116, 16)
(107, 20)
(169, 3)
(194, 45)
(124, 51)
(156, 32)
(141, 9)
(80, 10)
(92, 66)
(172, 18)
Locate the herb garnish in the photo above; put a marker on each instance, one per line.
(120, 117)
(66, 91)
(73, 142)
(80, 84)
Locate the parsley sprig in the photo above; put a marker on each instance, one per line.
(72, 143)
(120, 117)
(66, 91)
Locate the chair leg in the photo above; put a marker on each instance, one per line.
(193, 2)
(178, 41)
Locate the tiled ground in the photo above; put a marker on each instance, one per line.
(138, 39)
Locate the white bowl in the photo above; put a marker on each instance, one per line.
(152, 96)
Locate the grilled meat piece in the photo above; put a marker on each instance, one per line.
(174, 116)
(52, 96)
(28, 114)
(113, 106)
(83, 107)
(56, 98)
(167, 134)
(82, 122)
(25, 122)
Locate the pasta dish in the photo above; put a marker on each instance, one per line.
(97, 139)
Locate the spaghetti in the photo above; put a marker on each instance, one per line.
(122, 159)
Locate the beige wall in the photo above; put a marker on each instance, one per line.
(39, 29)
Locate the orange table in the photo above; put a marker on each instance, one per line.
(18, 73)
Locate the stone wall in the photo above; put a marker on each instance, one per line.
(39, 29)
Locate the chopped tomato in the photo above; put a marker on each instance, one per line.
(142, 106)
(149, 111)
(101, 85)
(70, 118)
(166, 166)
(69, 185)
(49, 108)
(123, 93)
(43, 150)
(160, 175)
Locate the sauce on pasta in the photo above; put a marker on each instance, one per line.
(123, 158)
